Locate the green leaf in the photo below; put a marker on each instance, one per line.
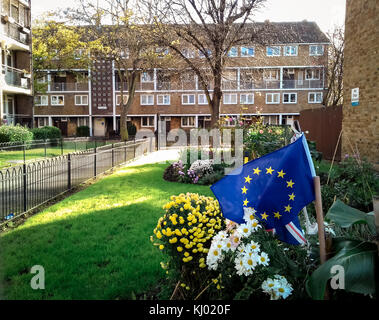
(345, 216)
(358, 260)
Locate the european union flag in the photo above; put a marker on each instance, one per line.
(276, 187)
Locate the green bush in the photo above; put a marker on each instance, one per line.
(354, 181)
(82, 131)
(17, 133)
(47, 133)
(260, 139)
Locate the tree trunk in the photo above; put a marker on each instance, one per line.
(131, 81)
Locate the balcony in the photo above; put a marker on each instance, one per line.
(16, 78)
(163, 85)
(68, 86)
(303, 84)
(16, 32)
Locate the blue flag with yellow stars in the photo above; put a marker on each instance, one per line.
(276, 187)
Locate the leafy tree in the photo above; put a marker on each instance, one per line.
(56, 45)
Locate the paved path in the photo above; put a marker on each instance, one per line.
(157, 156)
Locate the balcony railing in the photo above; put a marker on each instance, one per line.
(302, 84)
(68, 86)
(163, 85)
(16, 78)
(13, 31)
(231, 85)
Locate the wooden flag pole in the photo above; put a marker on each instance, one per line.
(320, 219)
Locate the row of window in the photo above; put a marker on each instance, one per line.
(231, 98)
(230, 121)
(187, 99)
(58, 100)
(271, 51)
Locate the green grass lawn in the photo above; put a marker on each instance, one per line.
(31, 154)
(34, 153)
(94, 244)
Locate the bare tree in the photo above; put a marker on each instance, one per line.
(211, 28)
(334, 94)
(115, 32)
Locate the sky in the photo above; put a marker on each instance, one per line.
(326, 13)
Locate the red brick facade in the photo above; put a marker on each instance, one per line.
(277, 87)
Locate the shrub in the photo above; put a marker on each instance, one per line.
(82, 131)
(17, 133)
(47, 132)
(353, 181)
(171, 174)
(260, 139)
(184, 233)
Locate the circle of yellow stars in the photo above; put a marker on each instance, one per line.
(280, 174)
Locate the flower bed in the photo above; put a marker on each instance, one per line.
(213, 258)
(203, 172)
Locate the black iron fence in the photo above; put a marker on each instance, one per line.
(25, 187)
(13, 153)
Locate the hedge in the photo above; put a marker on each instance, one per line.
(46, 133)
(15, 133)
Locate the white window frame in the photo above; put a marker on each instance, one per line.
(147, 98)
(56, 96)
(314, 100)
(118, 99)
(290, 53)
(233, 52)
(272, 95)
(42, 104)
(187, 124)
(148, 123)
(313, 74)
(81, 100)
(151, 77)
(187, 96)
(249, 98)
(289, 97)
(204, 98)
(316, 53)
(229, 98)
(163, 102)
(267, 75)
(82, 121)
(274, 48)
(45, 122)
(246, 55)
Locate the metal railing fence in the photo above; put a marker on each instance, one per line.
(27, 186)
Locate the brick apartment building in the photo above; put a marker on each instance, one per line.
(16, 102)
(360, 122)
(277, 82)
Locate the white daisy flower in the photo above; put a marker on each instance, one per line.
(255, 225)
(263, 259)
(253, 246)
(277, 288)
(249, 214)
(244, 230)
(239, 265)
(214, 256)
